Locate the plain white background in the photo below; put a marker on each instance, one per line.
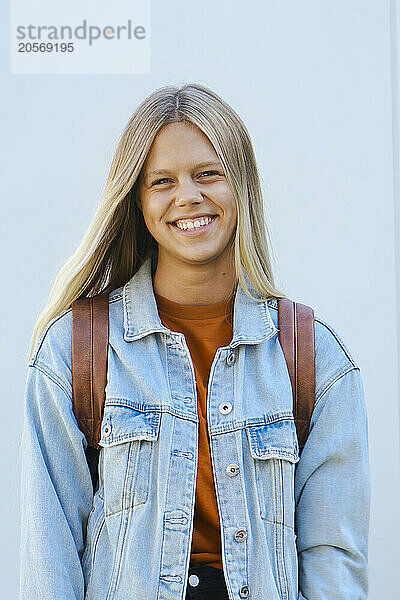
(317, 85)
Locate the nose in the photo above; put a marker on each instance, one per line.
(187, 193)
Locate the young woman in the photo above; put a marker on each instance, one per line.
(201, 491)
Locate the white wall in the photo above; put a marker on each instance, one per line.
(316, 84)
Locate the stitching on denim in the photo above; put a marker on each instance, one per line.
(333, 381)
(116, 297)
(220, 503)
(272, 302)
(335, 335)
(282, 495)
(96, 536)
(131, 466)
(44, 333)
(119, 554)
(235, 425)
(342, 370)
(278, 547)
(131, 437)
(279, 523)
(39, 366)
(265, 314)
(329, 328)
(162, 408)
(238, 445)
(51, 323)
(269, 419)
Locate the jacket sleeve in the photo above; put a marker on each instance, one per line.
(56, 491)
(332, 493)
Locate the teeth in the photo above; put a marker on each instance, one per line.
(193, 224)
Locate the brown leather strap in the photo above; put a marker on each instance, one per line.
(296, 336)
(89, 363)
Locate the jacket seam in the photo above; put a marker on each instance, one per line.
(41, 367)
(54, 320)
(115, 298)
(338, 341)
(333, 381)
(44, 334)
(322, 322)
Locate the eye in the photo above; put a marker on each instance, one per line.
(212, 172)
(158, 180)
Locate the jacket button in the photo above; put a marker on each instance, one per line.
(225, 408)
(194, 580)
(240, 535)
(230, 359)
(107, 429)
(232, 469)
(244, 592)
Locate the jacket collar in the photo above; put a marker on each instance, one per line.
(252, 322)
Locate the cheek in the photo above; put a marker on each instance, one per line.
(152, 212)
(230, 205)
(150, 224)
(233, 213)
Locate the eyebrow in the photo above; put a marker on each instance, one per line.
(198, 166)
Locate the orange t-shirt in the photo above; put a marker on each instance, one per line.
(206, 328)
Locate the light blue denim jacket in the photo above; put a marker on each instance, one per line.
(132, 539)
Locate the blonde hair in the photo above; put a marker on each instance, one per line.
(118, 241)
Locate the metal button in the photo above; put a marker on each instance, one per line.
(240, 535)
(225, 408)
(244, 592)
(107, 429)
(230, 359)
(232, 469)
(194, 580)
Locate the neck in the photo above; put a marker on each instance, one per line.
(190, 284)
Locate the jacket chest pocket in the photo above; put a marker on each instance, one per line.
(128, 436)
(274, 448)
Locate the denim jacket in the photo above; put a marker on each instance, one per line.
(290, 528)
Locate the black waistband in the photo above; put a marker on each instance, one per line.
(205, 569)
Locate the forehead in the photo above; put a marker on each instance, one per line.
(181, 144)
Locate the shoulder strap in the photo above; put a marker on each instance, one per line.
(89, 363)
(296, 336)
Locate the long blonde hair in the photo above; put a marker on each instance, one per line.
(118, 241)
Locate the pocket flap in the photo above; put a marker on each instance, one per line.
(125, 423)
(277, 439)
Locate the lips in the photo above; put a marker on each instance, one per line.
(191, 218)
(195, 230)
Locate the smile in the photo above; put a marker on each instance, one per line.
(194, 231)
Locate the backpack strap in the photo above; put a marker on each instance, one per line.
(296, 336)
(89, 363)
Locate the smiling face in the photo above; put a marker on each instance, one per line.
(183, 179)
